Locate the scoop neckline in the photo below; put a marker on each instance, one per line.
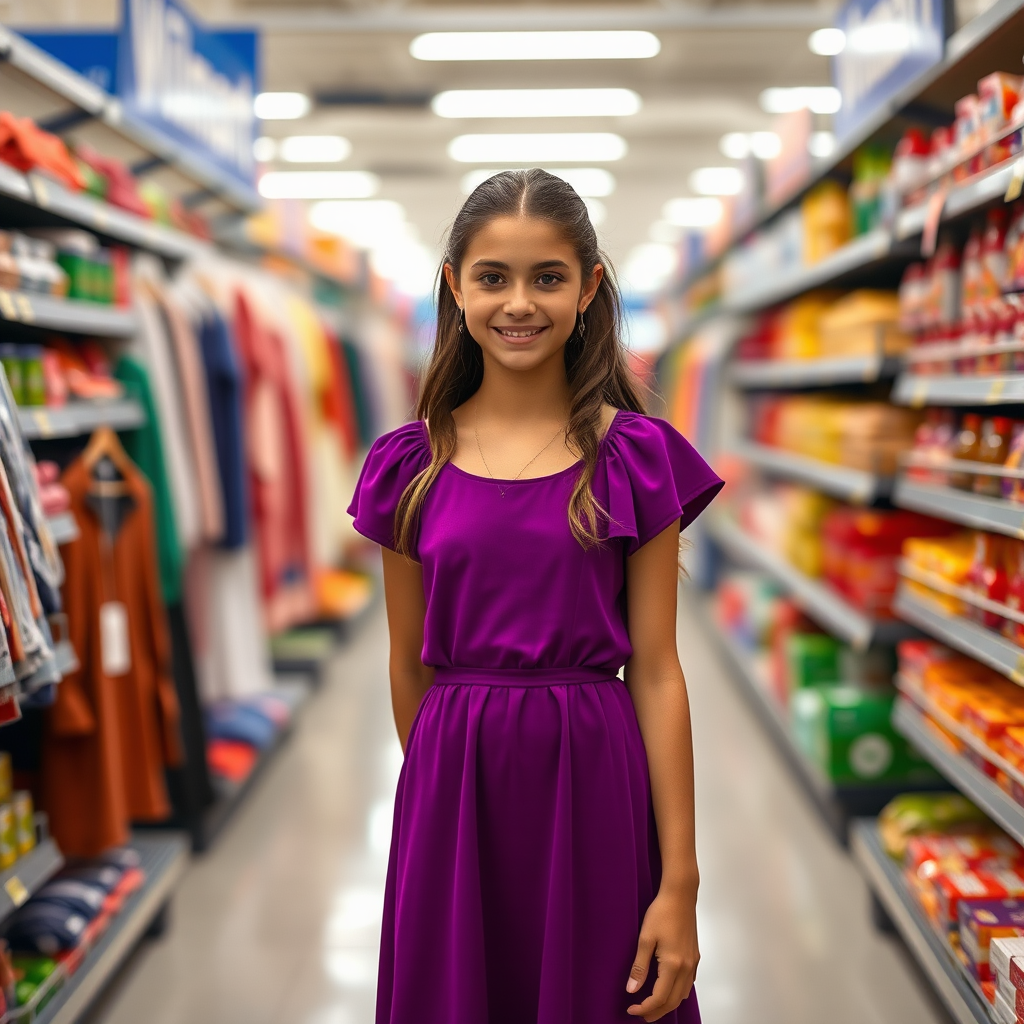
(528, 479)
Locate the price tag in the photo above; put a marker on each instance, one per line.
(7, 306)
(995, 392)
(43, 423)
(932, 216)
(40, 190)
(100, 216)
(1017, 675)
(25, 311)
(1016, 182)
(15, 889)
(919, 393)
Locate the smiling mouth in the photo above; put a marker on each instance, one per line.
(520, 333)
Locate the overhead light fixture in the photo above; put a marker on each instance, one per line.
(536, 103)
(281, 106)
(596, 45)
(820, 99)
(693, 213)
(827, 42)
(315, 149)
(717, 181)
(318, 185)
(889, 38)
(264, 149)
(739, 145)
(597, 210)
(821, 144)
(537, 148)
(649, 266)
(587, 181)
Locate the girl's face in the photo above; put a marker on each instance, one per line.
(521, 287)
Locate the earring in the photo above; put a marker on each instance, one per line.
(581, 327)
(462, 321)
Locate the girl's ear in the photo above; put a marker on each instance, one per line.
(590, 287)
(453, 284)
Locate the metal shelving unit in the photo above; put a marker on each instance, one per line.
(69, 315)
(966, 636)
(28, 874)
(854, 485)
(837, 803)
(47, 203)
(76, 418)
(920, 389)
(973, 783)
(975, 510)
(817, 599)
(964, 1002)
(812, 373)
(164, 859)
(859, 254)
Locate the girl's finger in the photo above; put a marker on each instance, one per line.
(657, 1003)
(638, 972)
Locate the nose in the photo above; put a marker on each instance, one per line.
(519, 304)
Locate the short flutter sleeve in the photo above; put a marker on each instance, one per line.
(391, 464)
(651, 476)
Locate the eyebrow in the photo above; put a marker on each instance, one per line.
(537, 266)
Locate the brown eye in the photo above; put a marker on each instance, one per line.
(490, 279)
(548, 279)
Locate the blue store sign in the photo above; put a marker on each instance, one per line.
(190, 83)
(889, 43)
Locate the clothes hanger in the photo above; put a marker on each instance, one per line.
(104, 444)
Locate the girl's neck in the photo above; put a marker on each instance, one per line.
(541, 393)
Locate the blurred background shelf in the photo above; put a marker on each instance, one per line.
(817, 599)
(807, 373)
(71, 315)
(78, 418)
(854, 485)
(917, 390)
(28, 874)
(883, 876)
(958, 506)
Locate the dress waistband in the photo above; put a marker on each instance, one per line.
(521, 676)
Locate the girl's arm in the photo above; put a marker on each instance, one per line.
(658, 690)
(406, 605)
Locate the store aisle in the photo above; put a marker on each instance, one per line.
(279, 923)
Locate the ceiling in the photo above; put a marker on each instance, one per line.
(715, 59)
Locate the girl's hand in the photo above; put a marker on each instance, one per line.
(669, 933)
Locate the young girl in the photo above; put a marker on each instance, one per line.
(543, 849)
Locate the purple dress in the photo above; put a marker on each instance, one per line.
(524, 852)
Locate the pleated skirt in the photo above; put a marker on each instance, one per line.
(524, 855)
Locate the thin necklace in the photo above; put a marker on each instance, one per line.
(524, 469)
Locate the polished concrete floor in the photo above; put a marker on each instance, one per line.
(279, 923)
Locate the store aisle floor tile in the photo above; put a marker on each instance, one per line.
(279, 922)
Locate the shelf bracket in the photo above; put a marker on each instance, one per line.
(64, 122)
(153, 163)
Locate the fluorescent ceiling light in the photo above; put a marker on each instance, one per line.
(889, 38)
(600, 45)
(597, 210)
(587, 181)
(693, 213)
(821, 144)
(281, 106)
(315, 149)
(821, 99)
(536, 103)
(367, 223)
(649, 266)
(739, 145)
(264, 149)
(717, 181)
(537, 148)
(827, 41)
(318, 185)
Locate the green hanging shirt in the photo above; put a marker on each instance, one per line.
(145, 448)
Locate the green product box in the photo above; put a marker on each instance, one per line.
(812, 658)
(80, 275)
(847, 734)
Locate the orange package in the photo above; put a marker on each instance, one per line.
(28, 148)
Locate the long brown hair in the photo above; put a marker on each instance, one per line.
(595, 362)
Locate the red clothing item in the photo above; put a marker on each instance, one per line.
(339, 402)
(108, 738)
(275, 453)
